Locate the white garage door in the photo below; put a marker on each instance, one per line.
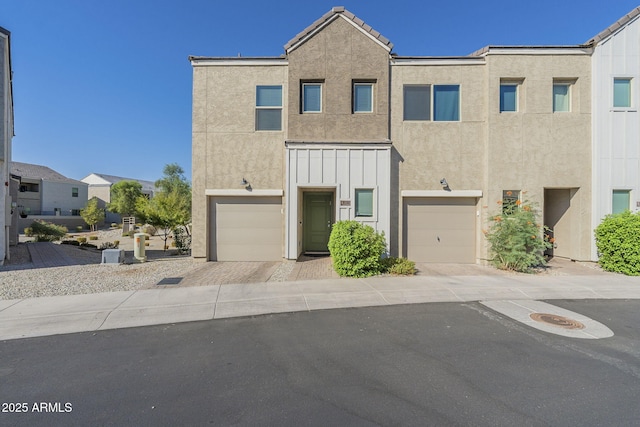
(245, 229)
(440, 229)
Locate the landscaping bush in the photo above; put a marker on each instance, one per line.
(82, 240)
(109, 245)
(356, 249)
(93, 237)
(47, 232)
(618, 243)
(398, 266)
(182, 240)
(28, 231)
(116, 243)
(79, 228)
(516, 238)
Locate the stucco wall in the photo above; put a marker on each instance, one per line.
(226, 146)
(534, 148)
(58, 195)
(431, 150)
(337, 56)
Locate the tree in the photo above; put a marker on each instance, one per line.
(92, 214)
(165, 211)
(174, 182)
(124, 195)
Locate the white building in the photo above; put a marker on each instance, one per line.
(615, 118)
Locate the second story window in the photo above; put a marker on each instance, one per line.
(426, 102)
(269, 108)
(311, 97)
(74, 191)
(417, 102)
(622, 93)
(446, 103)
(362, 97)
(561, 96)
(508, 97)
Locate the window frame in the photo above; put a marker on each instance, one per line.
(624, 191)
(74, 191)
(259, 108)
(432, 104)
(630, 93)
(404, 105)
(512, 199)
(355, 84)
(302, 96)
(374, 212)
(510, 84)
(569, 85)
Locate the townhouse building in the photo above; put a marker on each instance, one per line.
(424, 149)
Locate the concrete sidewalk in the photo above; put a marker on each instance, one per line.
(78, 313)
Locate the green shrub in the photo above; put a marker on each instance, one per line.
(28, 231)
(356, 249)
(93, 237)
(116, 243)
(618, 243)
(47, 232)
(516, 238)
(82, 240)
(398, 266)
(79, 228)
(182, 240)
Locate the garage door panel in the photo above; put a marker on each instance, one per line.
(440, 229)
(246, 229)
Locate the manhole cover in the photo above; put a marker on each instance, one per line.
(555, 320)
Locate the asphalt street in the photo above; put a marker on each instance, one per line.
(424, 364)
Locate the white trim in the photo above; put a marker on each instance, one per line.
(226, 62)
(246, 193)
(441, 193)
(437, 61)
(538, 51)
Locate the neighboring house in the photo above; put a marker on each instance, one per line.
(616, 120)
(423, 149)
(100, 187)
(44, 192)
(7, 213)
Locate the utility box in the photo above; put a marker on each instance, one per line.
(113, 256)
(138, 247)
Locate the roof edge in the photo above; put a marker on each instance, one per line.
(615, 27)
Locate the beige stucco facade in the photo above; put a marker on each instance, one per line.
(543, 154)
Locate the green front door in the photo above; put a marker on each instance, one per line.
(317, 222)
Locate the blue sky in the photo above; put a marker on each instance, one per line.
(105, 86)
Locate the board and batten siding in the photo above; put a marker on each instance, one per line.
(616, 131)
(340, 169)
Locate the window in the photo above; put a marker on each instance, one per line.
(311, 97)
(269, 108)
(74, 192)
(620, 201)
(418, 104)
(510, 199)
(561, 97)
(363, 97)
(622, 93)
(508, 97)
(75, 212)
(446, 103)
(364, 202)
(417, 100)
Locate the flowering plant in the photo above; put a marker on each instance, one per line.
(516, 237)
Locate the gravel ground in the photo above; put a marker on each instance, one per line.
(18, 278)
